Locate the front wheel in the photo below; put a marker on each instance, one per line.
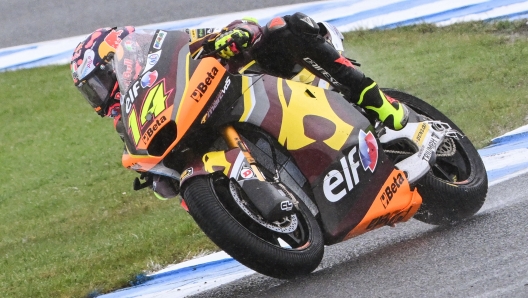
(282, 250)
(455, 188)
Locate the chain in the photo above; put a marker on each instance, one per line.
(446, 149)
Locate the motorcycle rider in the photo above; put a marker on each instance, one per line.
(278, 47)
(297, 39)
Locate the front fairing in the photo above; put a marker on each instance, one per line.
(163, 93)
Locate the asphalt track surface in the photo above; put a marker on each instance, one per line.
(31, 21)
(486, 256)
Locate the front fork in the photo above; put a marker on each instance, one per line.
(233, 141)
(270, 200)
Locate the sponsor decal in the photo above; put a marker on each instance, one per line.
(113, 39)
(420, 133)
(307, 21)
(127, 74)
(152, 59)
(216, 101)
(159, 39)
(131, 97)
(286, 205)
(186, 174)
(368, 150)
(202, 87)
(153, 128)
(246, 173)
(391, 190)
(431, 148)
(388, 219)
(322, 71)
(338, 183)
(149, 79)
(194, 34)
(87, 66)
(129, 45)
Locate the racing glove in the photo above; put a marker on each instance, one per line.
(231, 43)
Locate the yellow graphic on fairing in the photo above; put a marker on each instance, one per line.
(155, 102)
(304, 76)
(249, 100)
(216, 159)
(301, 105)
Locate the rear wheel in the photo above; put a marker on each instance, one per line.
(283, 249)
(455, 188)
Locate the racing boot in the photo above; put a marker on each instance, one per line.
(389, 111)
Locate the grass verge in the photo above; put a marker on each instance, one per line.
(70, 223)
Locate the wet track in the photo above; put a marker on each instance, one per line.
(24, 22)
(486, 256)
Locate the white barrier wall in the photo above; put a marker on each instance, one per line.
(346, 15)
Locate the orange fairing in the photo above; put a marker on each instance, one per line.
(395, 202)
(198, 91)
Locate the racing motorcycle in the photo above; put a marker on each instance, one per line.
(272, 170)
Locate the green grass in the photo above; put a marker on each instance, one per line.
(70, 223)
(475, 72)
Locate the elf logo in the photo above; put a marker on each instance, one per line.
(131, 97)
(338, 183)
(200, 90)
(333, 187)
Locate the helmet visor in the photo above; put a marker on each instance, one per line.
(96, 87)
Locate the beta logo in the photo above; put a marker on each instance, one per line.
(200, 90)
(368, 150)
(391, 190)
(338, 183)
(153, 128)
